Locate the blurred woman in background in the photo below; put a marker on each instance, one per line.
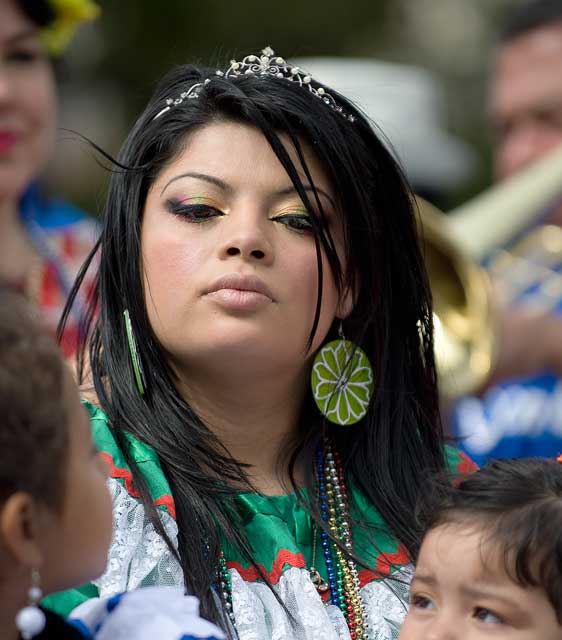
(43, 242)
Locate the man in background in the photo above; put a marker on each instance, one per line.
(520, 414)
(526, 91)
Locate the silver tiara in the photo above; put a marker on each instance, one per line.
(266, 64)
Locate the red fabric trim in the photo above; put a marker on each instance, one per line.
(284, 557)
(466, 465)
(385, 562)
(124, 474)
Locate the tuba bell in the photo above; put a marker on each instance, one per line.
(454, 246)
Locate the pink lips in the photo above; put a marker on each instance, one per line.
(8, 140)
(239, 292)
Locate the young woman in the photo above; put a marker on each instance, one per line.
(43, 241)
(255, 225)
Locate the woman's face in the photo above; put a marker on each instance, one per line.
(27, 102)
(230, 264)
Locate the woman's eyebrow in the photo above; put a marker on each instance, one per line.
(199, 176)
(290, 190)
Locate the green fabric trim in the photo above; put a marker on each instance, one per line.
(457, 462)
(144, 455)
(65, 601)
(279, 530)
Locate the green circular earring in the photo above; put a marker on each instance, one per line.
(342, 381)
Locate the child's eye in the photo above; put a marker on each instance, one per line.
(297, 221)
(193, 212)
(421, 602)
(485, 615)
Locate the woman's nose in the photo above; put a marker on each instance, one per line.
(241, 250)
(247, 239)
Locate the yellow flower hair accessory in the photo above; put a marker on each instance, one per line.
(69, 14)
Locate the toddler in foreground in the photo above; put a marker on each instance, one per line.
(55, 509)
(490, 565)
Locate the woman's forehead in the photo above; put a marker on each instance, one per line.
(233, 151)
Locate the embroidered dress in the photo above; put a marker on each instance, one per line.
(280, 533)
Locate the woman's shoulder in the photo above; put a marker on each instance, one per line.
(457, 462)
(110, 446)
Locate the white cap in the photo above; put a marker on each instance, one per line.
(407, 104)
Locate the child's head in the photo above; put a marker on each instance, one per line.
(55, 510)
(490, 564)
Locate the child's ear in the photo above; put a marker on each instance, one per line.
(19, 527)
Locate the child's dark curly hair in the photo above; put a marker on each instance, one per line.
(33, 423)
(518, 506)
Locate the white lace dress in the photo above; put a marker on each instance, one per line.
(139, 557)
(279, 531)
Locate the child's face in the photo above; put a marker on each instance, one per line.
(461, 590)
(78, 538)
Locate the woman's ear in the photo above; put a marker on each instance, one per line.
(20, 529)
(345, 304)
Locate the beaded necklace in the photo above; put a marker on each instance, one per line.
(343, 579)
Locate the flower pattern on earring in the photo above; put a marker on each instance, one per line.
(342, 382)
(30, 620)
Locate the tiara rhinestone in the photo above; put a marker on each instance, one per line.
(265, 64)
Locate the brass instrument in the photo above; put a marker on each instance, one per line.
(465, 324)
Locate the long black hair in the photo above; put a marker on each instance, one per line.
(38, 11)
(401, 436)
(517, 506)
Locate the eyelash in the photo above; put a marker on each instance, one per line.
(301, 223)
(419, 601)
(483, 610)
(479, 612)
(197, 213)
